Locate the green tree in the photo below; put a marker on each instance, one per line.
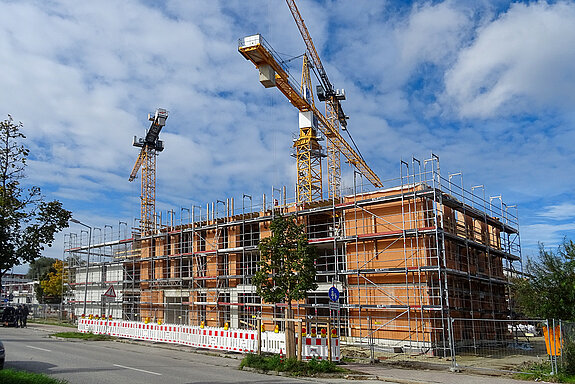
(27, 222)
(40, 267)
(549, 290)
(39, 270)
(286, 269)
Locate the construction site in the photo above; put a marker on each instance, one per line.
(406, 255)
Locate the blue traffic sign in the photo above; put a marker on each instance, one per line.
(333, 294)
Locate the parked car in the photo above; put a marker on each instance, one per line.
(2, 355)
(9, 317)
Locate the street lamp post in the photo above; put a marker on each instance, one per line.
(87, 261)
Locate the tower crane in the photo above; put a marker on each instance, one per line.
(308, 151)
(150, 146)
(272, 73)
(332, 97)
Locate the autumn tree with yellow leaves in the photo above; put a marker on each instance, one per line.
(52, 287)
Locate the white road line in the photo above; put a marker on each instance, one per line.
(139, 370)
(38, 348)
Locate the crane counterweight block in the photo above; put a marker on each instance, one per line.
(267, 76)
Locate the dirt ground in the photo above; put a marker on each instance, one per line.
(510, 358)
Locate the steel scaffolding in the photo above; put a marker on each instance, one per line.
(406, 258)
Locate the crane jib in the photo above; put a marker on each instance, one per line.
(255, 49)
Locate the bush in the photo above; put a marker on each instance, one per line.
(293, 366)
(322, 366)
(254, 361)
(568, 358)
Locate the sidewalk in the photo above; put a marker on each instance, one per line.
(386, 373)
(50, 328)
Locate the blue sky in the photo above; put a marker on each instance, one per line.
(488, 86)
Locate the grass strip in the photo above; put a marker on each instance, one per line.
(52, 322)
(83, 336)
(541, 372)
(10, 376)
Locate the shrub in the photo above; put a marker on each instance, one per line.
(568, 357)
(293, 366)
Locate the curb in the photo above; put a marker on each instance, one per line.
(350, 376)
(403, 381)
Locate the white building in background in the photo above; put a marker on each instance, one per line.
(18, 289)
(103, 292)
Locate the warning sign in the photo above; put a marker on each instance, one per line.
(110, 292)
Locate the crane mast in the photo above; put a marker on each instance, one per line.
(333, 109)
(326, 91)
(308, 151)
(255, 49)
(150, 146)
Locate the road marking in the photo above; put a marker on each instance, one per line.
(38, 348)
(139, 370)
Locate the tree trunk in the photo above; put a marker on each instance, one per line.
(290, 333)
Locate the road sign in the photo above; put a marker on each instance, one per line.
(333, 294)
(110, 292)
(336, 306)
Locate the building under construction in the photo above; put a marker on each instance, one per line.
(406, 258)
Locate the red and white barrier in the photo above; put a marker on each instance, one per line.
(316, 348)
(234, 340)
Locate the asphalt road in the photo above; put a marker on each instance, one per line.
(88, 362)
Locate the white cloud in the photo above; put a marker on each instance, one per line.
(432, 33)
(519, 63)
(564, 211)
(550, 235)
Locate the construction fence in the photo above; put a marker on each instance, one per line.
(507, 346)
(484, 346)
(512, 345)
(221, 339)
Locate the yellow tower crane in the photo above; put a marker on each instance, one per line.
(273, 73)
(333, 110)
(150, 145)
(308, 151)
